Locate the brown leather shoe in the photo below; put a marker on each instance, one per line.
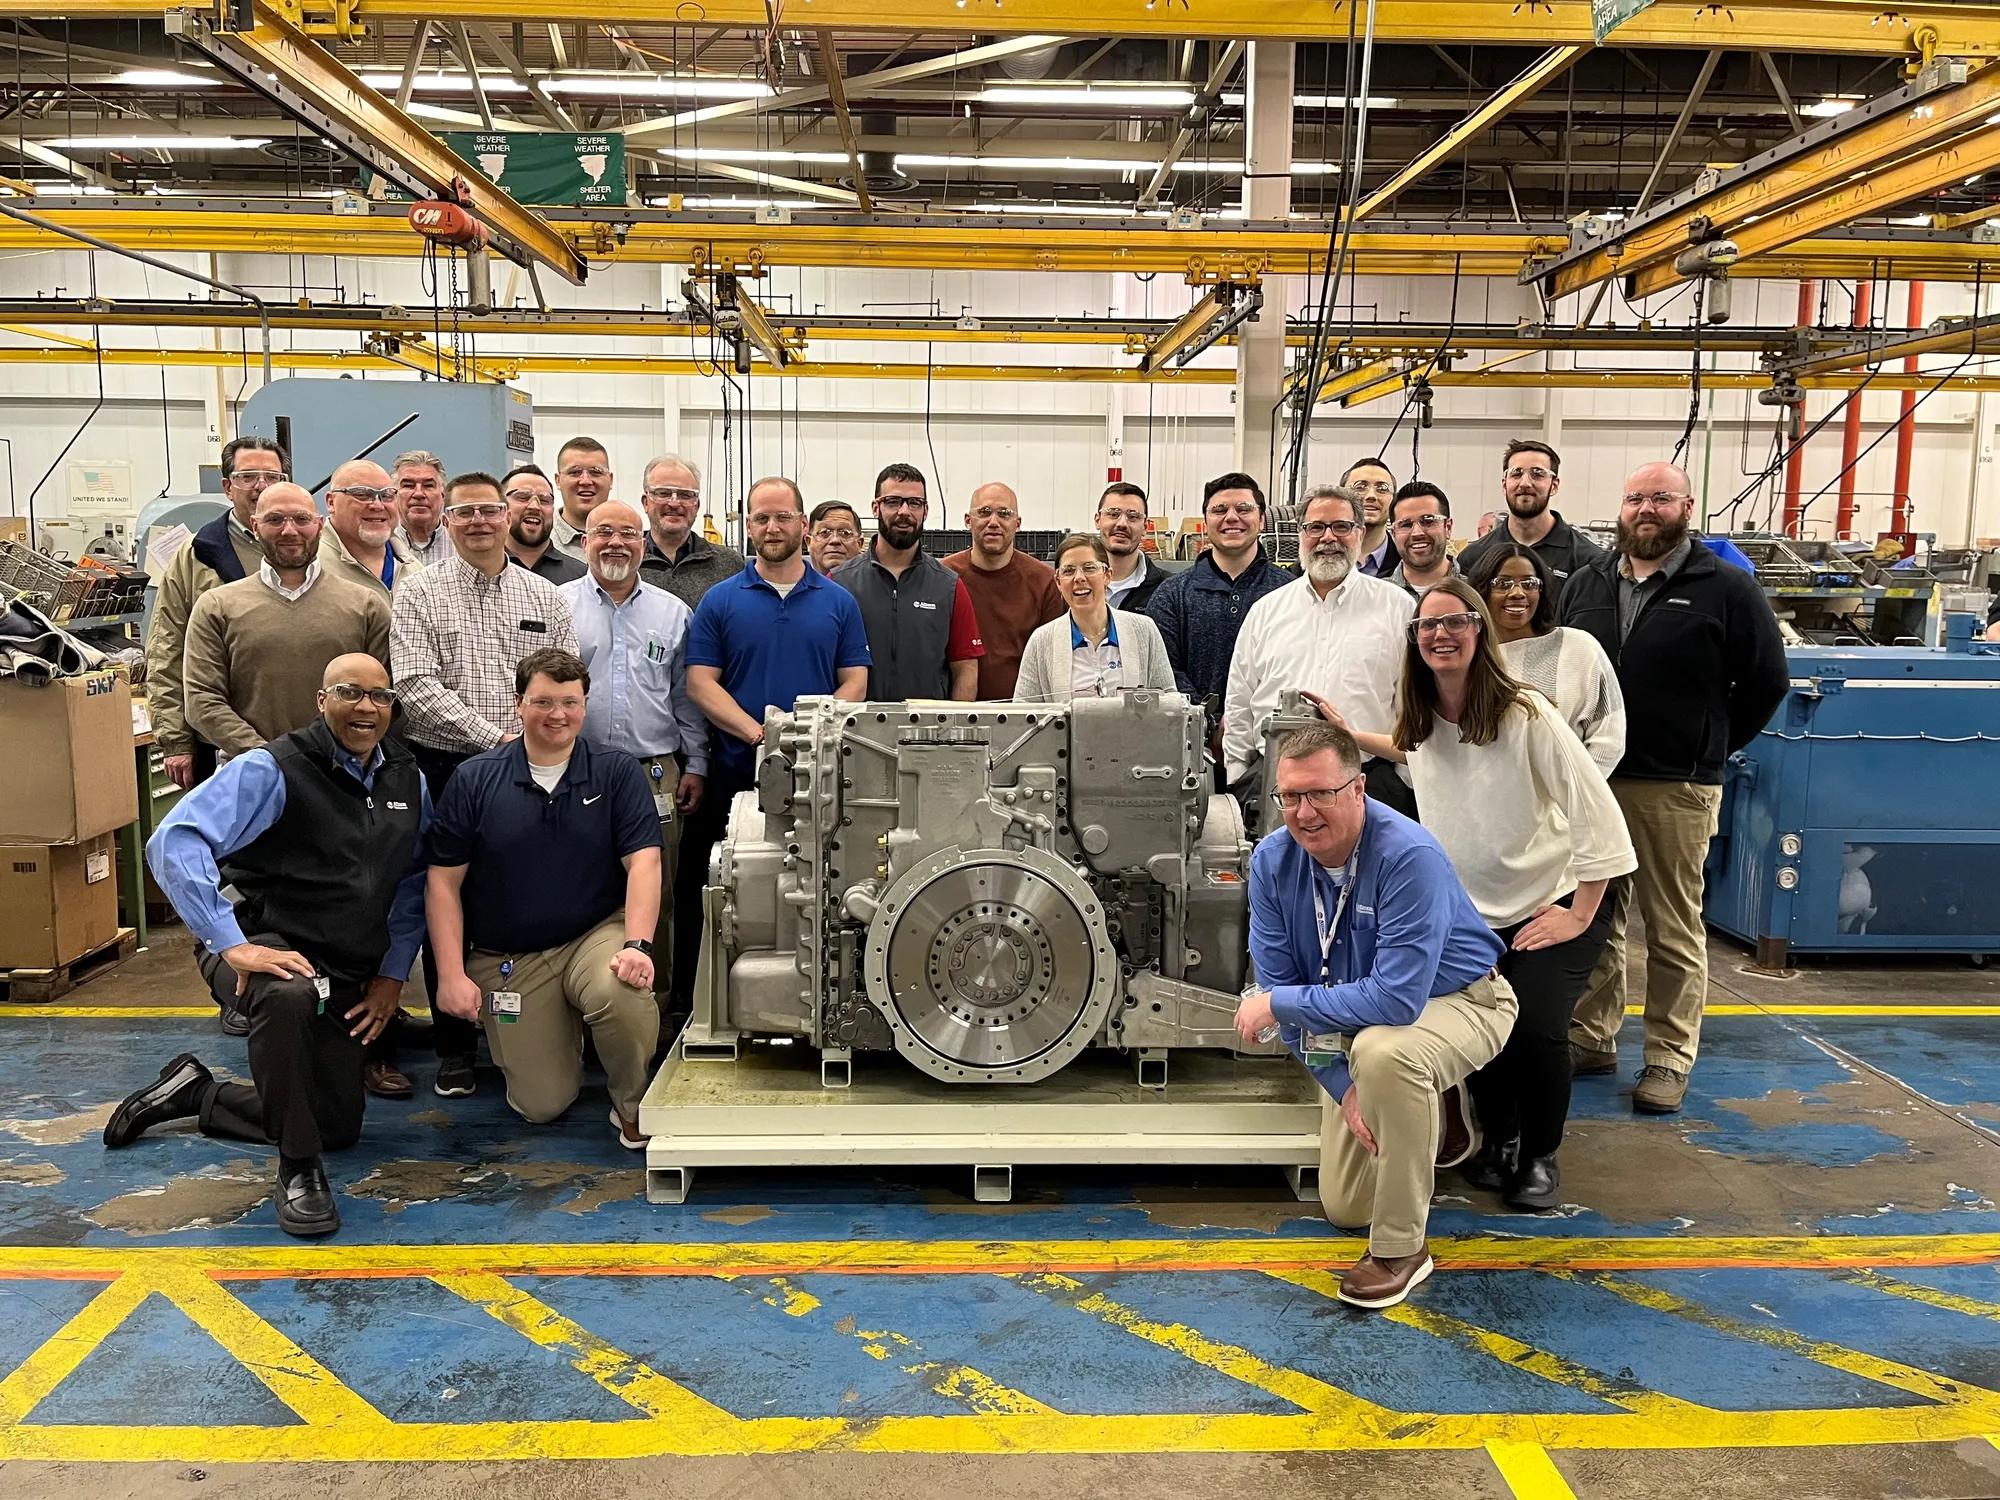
(1585, 1062)
(1458, 1129)
(385, 1080)
(1374, 1282)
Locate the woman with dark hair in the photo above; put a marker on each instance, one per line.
(1535, 836)
(1565, 666)
(1094, 651)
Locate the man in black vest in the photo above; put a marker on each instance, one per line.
(922, 634)
(316, 840)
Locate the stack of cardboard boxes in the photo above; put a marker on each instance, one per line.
(67, 782)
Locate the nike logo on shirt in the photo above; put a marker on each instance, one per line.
(598, 798)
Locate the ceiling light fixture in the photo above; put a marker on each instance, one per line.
(1090, 96)
(167, 78)
(1827, 108)
(1031, 163)
(189, 143)
(731, 153)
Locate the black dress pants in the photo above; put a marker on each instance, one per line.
(451, 1036)
(305, 1096)
(699, 836)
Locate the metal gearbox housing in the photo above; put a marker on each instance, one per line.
(988, 889)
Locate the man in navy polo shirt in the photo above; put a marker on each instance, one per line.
(775, 633)
(543, 894)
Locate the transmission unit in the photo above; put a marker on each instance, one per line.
(988, 889)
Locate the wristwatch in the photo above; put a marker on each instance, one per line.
(641, 944)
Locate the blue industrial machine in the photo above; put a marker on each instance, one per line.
(324, 423)
(1866, 816)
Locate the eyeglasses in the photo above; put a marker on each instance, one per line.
(1515, 586)
(477, 510)
(258, 476)
(1658, 500)
(1373, 486)
(1321, 797)
(835, 533)
(614, 533)
(774, 518)
(1074, 571)
(293, 520)
(1432, 624)
(552, 705)
(1129, 517)
(1245, 510)
(347, 692)
(1312, 531)
(1538, 473)
(367, 494)
(591, 473)
(1427, 522)
(529, 497)
(901, 502)
(668, 494)
(990, 514)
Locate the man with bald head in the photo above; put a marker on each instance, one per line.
(360, 541)
(1702, 667)
(316, 838)
(1011, 592)
(632, 636)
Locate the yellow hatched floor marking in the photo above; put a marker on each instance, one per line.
(625, 1376)
(1930, 1296)
(1529, 1471)
(56, 1360)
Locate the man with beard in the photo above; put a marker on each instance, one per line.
(1335, 632)
(531, 508)
(923, 641)
(359, 542)
(583, 474)
(1702, 667)
(1121, 526)
(634, 642)
(833, 536)
(1012, 593)
(1370, 479)
(1530, 476)
(419, 494)
(1420, 526)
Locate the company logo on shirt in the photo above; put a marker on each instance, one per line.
(397, 806)
(923, 604)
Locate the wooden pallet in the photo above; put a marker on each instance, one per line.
(39, 986)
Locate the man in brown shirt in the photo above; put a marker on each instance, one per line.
(1011, 593)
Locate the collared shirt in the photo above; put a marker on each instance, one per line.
(399, 564)
(1379, 562)
(1347, 647)
(1634, 592)
(565, 537)
(430, 553)
(637, 655)
(541, 867)
(1409, 933)
(268, 576)
(1401, 578)
(1200, 612)
(1136, 579)
(771, 650)
(554, 564)
(691, 572)
(236, 807)
(455, 637)
(1094, 665)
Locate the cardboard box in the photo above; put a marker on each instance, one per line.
(70, 774)
(57, 902)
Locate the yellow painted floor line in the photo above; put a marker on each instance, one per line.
(628, 1378)
(56, 1360)
(1992, 1011)
(114, 1012)
(1529, 1471)
(1930, 1296)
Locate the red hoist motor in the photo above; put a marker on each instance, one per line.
(448, 221)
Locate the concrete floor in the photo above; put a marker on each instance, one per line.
(1792, 1287)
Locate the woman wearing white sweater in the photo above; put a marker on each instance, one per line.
(1531, 827)
(1565, 666)
(1094, 651)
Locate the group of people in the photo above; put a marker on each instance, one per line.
(1519, 742)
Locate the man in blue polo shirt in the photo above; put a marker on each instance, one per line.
(1377, 971)
(543, 893)
(775, 633)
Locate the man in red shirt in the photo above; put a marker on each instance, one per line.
(1011, 592)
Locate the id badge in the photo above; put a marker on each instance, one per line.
(506, 1005)
(663, 801)
(322, 987)
(1322, 1049)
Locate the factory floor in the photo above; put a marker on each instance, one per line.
(1792, 1288)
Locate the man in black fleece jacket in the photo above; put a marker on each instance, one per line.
(1702, 667)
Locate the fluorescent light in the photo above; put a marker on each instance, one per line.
(1032, 163)
(1091, 96)
(1234, 98)
(731, 153)
(1235, 168)
(442, 83)
(190, 143)
(1827, 108)
(663, 200)
(167, 78)
(1054, 210)
(636, 86)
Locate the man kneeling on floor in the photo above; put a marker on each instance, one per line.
(1376, 969)
(544, 891)
(307, 837)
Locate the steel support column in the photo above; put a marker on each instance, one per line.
(1795, 462)
(1267, 194)
(1906, 421)
(1850, 432)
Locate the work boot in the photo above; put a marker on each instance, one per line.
(1587, 1062)
(1660, 1090)
(1373, 1281)
(1536, 1186)
(1495, 1165)
(305, 1199)
(1458, 1130)
(175, 1095)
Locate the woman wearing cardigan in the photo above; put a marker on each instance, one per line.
(1094, 651)
(1531, 827)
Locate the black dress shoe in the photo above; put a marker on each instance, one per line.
(234, 1022)
(174, 1095)
(1458, 1127)
(1495, 1165)
(305, 1202)
(1537, 1185)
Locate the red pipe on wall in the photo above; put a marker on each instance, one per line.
(1795, 465)
(1906, 424)
(1850, 438)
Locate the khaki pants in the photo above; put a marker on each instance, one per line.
(1399, 1074)
(1671, 823)
(563, 990)
(670, 848)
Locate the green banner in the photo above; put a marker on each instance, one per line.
(1606, 16)
(543, 167)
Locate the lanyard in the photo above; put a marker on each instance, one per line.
(1327, 930)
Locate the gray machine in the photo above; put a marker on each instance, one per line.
(988, 889)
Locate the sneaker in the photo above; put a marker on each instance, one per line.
(1458, 1128)
(1375, 1282)
(1587, 1062)
(1660, 1090)
(628, 1133)
(454, 1078)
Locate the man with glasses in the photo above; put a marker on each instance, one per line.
(456, 634)
(833, 535)
(1376, 970)
(1012, 593)
(315, 839)
(1420, 526)
(222, 551)
(359, 542)
(531, 508)
(583, 475)
(633, 638)
(1335, 632)
(419, 499)
(1530, 476)
(923, 641)
(678, 557)
(1375, 487)
(1702, 667)
(1121, 526)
